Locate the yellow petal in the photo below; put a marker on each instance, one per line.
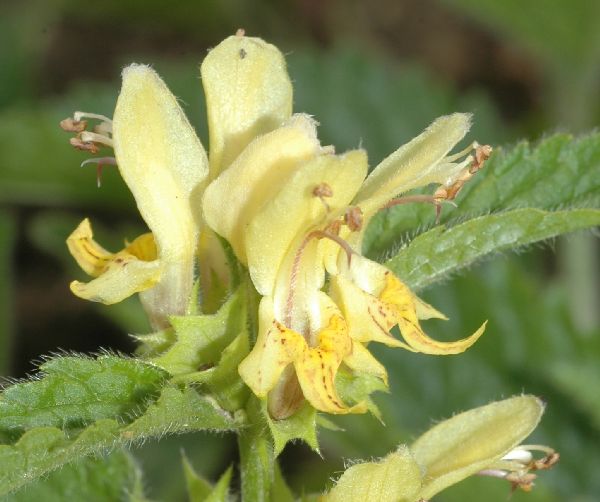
(94, 259)
(276, 347)
(317, 367)
(297, 302)
(473, 440)
(395, 478)
(374, 300)
(90, 255)
(415, 164)
(399, 297)
(118, 275)
(123, 276)
(361, 360)
(426, 311)
(143, 247)
(231, 201)
(161, 160)
(248, 93)
(369, 320)
(294, 210)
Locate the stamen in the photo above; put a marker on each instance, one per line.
(321, 191)
(428, 199)
(322, 234)
(71, 125)
(315, 234)
(87, 137)
(516, 464)
(101, 161)
(84, 146)
(523, 480)
(104, 128)
(519, 455)
(482, 153)
(89, 141)
(77, 116)
(353, 218)
(409, 199)
(462, 153)
(550, 458)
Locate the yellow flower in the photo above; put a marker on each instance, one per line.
(248, 93)
(296, 214)
(482, 441)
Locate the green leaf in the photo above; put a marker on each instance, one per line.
(301, 425)
(181, 410)
(441, 251)
(200, 339)
(7, 238)
(73, 391)
(221, 489)
(200, 490)
(44, 449)
(197, 487)
(223, 380)
(355, 388)
(558, 172)
(280, 491)
(96, 478)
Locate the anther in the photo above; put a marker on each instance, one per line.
(71, 125)
(482, 153)
(84, 146)
(85, 140)
(353, 218)
(516, 464)
(321, 191)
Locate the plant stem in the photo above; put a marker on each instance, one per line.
(256, 457)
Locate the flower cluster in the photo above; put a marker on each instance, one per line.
(294, 214)
(293, 211)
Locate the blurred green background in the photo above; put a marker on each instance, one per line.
(373, 75)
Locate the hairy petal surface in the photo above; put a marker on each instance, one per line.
(471, 441)
(415, 164)
(231, 201)
(248, 94)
